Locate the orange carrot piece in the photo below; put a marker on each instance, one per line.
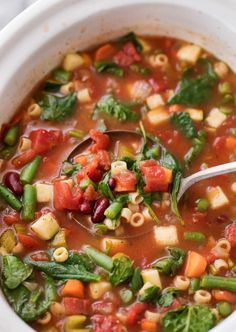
(82, 160)
(103, 52)
(168, 174)
(230, 143)
(73, 288)
(148, 325)
(221, 295)
(195, 265)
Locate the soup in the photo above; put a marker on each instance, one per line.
(93, 239)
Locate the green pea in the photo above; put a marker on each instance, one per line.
(202, 204)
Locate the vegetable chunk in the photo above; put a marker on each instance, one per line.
(217, 197)
(166, 235)
(46, 226)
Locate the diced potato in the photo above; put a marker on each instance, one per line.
(113, 245)
(216, 197)
(46, 226)
(189, 53)
(152, 316)
(145, 286)
(154, 101)
(151, 276)
(59, 239)
(195, 114)
(84, 96)
(233, 187)
(158, 116)
(44, 192)
(98, 289)
(166, 235)
(221, 69)
(139, 90)
(72, 61)
(25, 144)
(215, 118)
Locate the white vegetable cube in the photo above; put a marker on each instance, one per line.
(215, 118)
(216, 197)
(84, 96)
(166, 235)
(221, 69)
(195, 114)
(44, 192)
(46, 226)
(154, 101)
(72, 61)
(233, 187)
(151, 276)
(98, 289)
(189, 53)
(158, 116)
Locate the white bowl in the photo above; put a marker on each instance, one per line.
(34, 42)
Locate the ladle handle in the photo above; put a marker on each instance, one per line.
(205, 174)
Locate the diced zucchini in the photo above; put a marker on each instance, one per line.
(72, 61)
(113, 245)
(59, 239)
(146, 46)
(215, 118)
(44, 192)
(155, 101)
(166, 235)
(195, 114)
(8, 240)
(189, 53)
(46, 226)
(98, 289)
(74, 323)
(151, 276)
(216, 197)
(158, 116)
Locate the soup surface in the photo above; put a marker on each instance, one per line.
(96, 241)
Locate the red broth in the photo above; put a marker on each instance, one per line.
(183, 99)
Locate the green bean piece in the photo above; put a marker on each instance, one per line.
(99, 257)
(194, 285)
(10, 198)
(12, 135)
(225, 283)
(29, 202)
(194, 236)
(76, 133)
(202, 204)
(225, 308)
(29, 171)
(113, 210)
(85, 183)
(126, 295)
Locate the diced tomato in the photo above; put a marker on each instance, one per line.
(106, 323)
(102, 141)
(230, 143)
(210, 257)
(64, 198)
(156, 177)
(90, 194)
(28, 241)
(103, 159)
(222, 295)
(160, 85)
(104, 52)
(76, 306)
(135, 312)
(44, 140)
(40, 256)
(219, 143)
(11, 219)
(230, 234)
(127, 55)
(125, 181)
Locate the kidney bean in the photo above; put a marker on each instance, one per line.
(95, 175)
(12, 181)
(86, 207)
(98, 212)
(112, 183)
(222, 219)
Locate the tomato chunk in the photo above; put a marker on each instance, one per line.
(127, 55)
(28, 241)
(76, 306)
(230, 234)
(44, 140)
(108, 323)
(64, 198)
(102, 141)
(135, 312)
(125, 181)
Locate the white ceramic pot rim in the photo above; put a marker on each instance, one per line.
(43, 27)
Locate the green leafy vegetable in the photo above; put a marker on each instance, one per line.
(131, 37)
(76, 267)
(184, 123)
(194, 318)
(59, 77)
(170, 264)
(122, 270)
(109, 67)
(195, 91)
(198, 144)
(56, 108)
(140, 70)
(137, 280)
(104, 188)
(150, 294)
(121, 111)
(174, 193)
(14, 271)
(167, 296)
(68, 168)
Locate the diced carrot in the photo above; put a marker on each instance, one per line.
(230, 143)
(87, 59)
(73, 288)
(82, 160)
(148, 325)
(221, 295)
(195, 265)
(103, 52)
(168, 174)
(175, 108)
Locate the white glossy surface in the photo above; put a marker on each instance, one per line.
(36, 40)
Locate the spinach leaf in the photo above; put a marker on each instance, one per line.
(170, 264)
(169, 161)
(194, 318)
(61, 75)
(174, 193)
(184, 123)
(104, 187)
(167, 296)
(137, 280)
(195, 91)
(137, 68)
(109, 67)
(74, 268)
(115, 108)
(198, 144)
(150, 294)
(56, 108)
(131, 37)
(14, 271)
(122, 270)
